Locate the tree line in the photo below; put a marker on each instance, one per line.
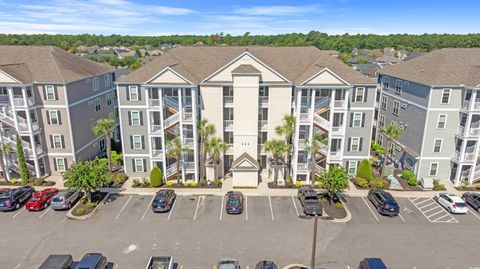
(341, 43)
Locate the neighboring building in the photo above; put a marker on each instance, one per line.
(369, 70)
(362, 59)
(245, 92)
(52, 98)
(435, 98)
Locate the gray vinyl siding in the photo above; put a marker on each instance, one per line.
(128, 131)
(369, 100)
(130, 169)
(411, 91)
(447, 134)
(362, 132)
(456, 97)
(122, 93)
(81, 89)
(443, 171)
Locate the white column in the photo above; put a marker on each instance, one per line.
(462, 149)
(164, 163)
(30, 131)
(298, 104)
(458, 175)
(4, 158)
(12, 105)
(148, 139)
(180, 93)
(310, 134)
(195, 140)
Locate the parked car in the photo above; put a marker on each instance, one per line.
(57, 262)
(384, 202)
(64, 199)
(92, 261)
(4, 190)
(372, 263)
(266, 265)
(160, 262)
(163, 200)
(310, 202)
(14, 198)
(473, 199)
(452, 203)
(234, 202)
(228, 264)
(41, 199)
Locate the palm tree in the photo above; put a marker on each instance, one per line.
(276, 148)
(313, 147)
(287, 129)
(205, 129)
(105, 127)
(393, 132)
(175, 150)
(215, 147)
(5, 150)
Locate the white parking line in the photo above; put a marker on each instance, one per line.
(475, 214)
(447, 215)
(422, 201)
(116, 266)
(296, 209)
(400, 215)
(45, 212)
(18, 266)
(431, 209)
(271, 208)
(20, 211)
(246, 208)
(171, 209)
(196, 209)
(431, 215)
(146, 209)
(221, 207)
(426, 205)
(348, 267)
(376, 218)
(125, 205)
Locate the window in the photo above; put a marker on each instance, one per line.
(133, 93)
(386, 82)
(107, 80)
(50, 93)
(138, 165)
(442, 121)
(396, 107)
(137, 142)
(57, 141)
(380, 139)
(109, 99)
(95, 85)
(381, 121)
(433, 169)
(135, 118)
(437, 145)
(263, 91)
(360, 94)
(96, 101)
(446, 96)
(352, 167)
(355, 144)
(53, 117)
(227, 90)
(60, 164)
(384, 102)
(357, 119)
(398, 86)
(101, 145)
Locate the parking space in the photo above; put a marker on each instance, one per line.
(433, 211)
(184, 208)
(209, 208)
(259, 209)
(284, 208)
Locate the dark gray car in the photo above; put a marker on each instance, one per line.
(473, 199)
(57, 262)
(163, 200)
(15, 198)
(64, 199)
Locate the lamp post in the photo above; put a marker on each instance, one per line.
(314, 244)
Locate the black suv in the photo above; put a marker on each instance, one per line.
(384, 202)
(163, 200)
(234, 204)
(14, 198)
(473, 199)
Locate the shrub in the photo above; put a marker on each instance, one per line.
(298, 184)
(360, 182)
(83, 200)
(136, 183)
(186, 184)
(13, 181)
(217, 183)
(90, 205)
(438, 186)
(194, 184)
(365, 170)
(203, 182)
(145, 183)
(80, 211)
(407, 174)
(477, 186)
(156, 176)
(319, 184)
(377, 183)
(412, 181)
(288, 180)
(120, 178)
(338, 205)
(379, 150)
(170, 183)
(39, 182)
(116, 157)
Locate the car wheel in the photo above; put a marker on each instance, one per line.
(478, 210)
(449, 210)
(17, 206)
(69, 205)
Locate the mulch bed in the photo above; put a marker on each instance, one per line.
(181, 186)
(334, 212)
(405, 185)
(288, 185)
(96, 198)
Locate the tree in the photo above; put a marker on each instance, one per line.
(276, 148)
(175, 150)
(215, 148)
(393, 132)
(205, 129)
(87, 176)
(364, 170)
(287, 129)
(5, 150)
(334, 180)
(156, 177)
(21, 161)
(313, 148)
(105, 127)
(115, 62)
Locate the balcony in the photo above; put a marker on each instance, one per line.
(337, 129)
(156, 128)
(228, 125)
(154, 102)
(263, 100)
(466, 104)
(474, 129)
(229, 149)
(157, 153)
(188, 117)
(304, 118)
(302, 168)
(188, 142)
(335, 154)
(228, 100)
(339, 103)
(4, 98)
(263, 125)
(20, 102)
(302, 142)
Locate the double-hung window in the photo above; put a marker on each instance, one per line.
(352, 167)
(138, 165)
(442, 121)
(357, 119)
(355, 144)
(137, 142)
(53, 117)
(396, 108)
(433, 169)
(446, 96)
(57, 141)
(398, 86)
(386, 82)
(135, 118)
(50, 93)
(109, 99)
(437, 145)
(384, 102)
(360, 94)
(107, 80)
(98, 106)
(381, 121)
(60, 164)
(133, 93)
(95, 84)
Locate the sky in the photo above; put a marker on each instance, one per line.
(148, 17)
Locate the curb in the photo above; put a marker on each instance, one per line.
(347, 218)
(71, 216)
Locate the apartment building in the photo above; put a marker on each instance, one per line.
(245, 92)
(52, 98)
(434, 99)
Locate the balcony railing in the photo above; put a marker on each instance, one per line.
(228, 124)
(20, 102)
(339, 103)
(263, 124)
(335, 153)
(3, 98)
(154, 102)
(188, 142)
(263, 100)
(187, 116)
(304, 117)
(229, 149)
(157, 153)
(155, 128)
(228, 100)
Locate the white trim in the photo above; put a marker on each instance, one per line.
(60, 154)
(323, 70)
(422, 147)
(359, 109)
(356, 157)
(95, 83)
(381, 116)
(168, 69)
(56, 112)
(55, 97)
(398, 108)
(56, 164)
(121, 128)
(446, 109)
(436, 158)
(90, 97)
(8, 75)
(403, 100)
(350, 167)
(134, 107)
(386, 102)
(135, 165)
(131, 118)
(353, 119)
(50, 106)
(136, 155)
(434, 143)
(363, 94)
(351, 144)
(430, 169)
(449, 96)
(129, 89)
(401, 86)
(90, 143)
(134, 144)
(53, 141)
(445, 121)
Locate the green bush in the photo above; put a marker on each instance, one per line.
(407, 174)
(194, 184)
(298, 184)
(379, 150)
(116, 157)
(83, 200)
(170, 183)
(136, 183)
(477, 186)
(186, 184)
(90, 205)
(13, 181)
(202, 182)
(156, 176)
(80, 211)
(360, 182)
(217, 183)
(338, 205)
(365, 170)
(120, 178)
(39, 182)
(412, 181)
(377, 183)
(438, 186)
(145, 183)
(319, 184)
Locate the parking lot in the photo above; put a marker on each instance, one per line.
(197, 232)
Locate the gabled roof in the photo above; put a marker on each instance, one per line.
(449, 66)
(294, 63)
(246, 69)
(29, 64)
(254, 165)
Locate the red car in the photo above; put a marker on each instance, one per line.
(41, 199)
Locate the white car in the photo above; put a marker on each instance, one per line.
(452, 203)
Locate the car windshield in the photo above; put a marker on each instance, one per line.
(57, 199)
(233, 202)
(460, 204)
(35, 199)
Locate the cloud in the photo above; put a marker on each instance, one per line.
(277, 10)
